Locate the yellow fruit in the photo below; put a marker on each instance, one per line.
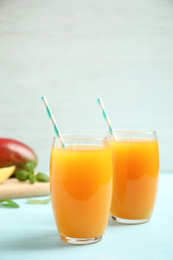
(6, 172)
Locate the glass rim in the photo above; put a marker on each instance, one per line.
(134, 131)
(80, 137)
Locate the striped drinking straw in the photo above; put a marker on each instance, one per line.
(51, 117)
(105, 115)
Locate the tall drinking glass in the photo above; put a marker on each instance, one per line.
(136, 173)
(81, 187)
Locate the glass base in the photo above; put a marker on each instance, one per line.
(130, 221)
(80, 241)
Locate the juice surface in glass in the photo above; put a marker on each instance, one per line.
(135, 179)
(81, 189)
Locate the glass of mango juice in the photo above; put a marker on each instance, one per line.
(81, 187)
(135, 179)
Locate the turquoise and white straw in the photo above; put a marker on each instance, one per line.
(105, 115)
(51, 117)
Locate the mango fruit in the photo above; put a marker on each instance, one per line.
(13, 152)
(6, 172)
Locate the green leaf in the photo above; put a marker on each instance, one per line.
(22, 175)
(38, 201)
(8, 204)
(42, 177)
(30, 166)
(31, 177)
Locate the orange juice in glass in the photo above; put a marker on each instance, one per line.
(136, 173)
(81, 187)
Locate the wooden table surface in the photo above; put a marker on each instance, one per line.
(29, 232)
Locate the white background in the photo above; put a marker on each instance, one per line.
(76, 51)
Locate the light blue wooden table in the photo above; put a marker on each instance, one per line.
(30, 233)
